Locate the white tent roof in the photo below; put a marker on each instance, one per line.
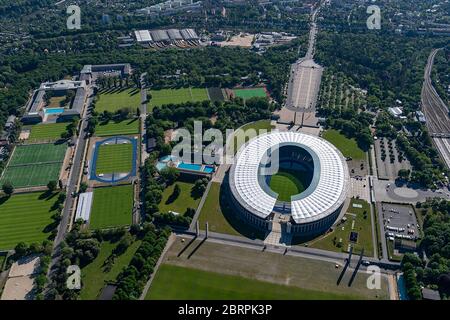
(325, 194)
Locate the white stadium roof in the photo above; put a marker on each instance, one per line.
(326, 193)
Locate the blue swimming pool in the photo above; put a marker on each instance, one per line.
(402, 288)
(161, 165)
(190, 166)
(208, 169)
(54, 110)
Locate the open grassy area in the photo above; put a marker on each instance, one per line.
(250, 93)
(348, 147)
(176, 96)
(34, 165)
(57, 102)
(174, 282)
(111, 207)
(250, 130)
(115, 158)
(25, 217)
(112, 128)
(113, 100)
(358, 220)
(47, 132)
(220, 216)
(286, 184)
(182, 202)
(95, 276)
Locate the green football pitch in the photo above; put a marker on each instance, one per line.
(126, 127)
(24, 217)
(115, 158)
(286, 184)
(112, 207)
(34, 165)
(174, 283)
(177, 96)
(115, 100)
(47, 132)
(250, 93)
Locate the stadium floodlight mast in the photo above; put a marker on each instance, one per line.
(218, 151)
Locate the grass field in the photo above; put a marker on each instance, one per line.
(115, 158)
(182, 202)
(257, 126)
(24, 217)
(219, 216)
(34, 165)
(38, 153)
(250, 93)
(176, 96)
(286, 184)
(174, 282)
(126, 127)
(56, 102)
(115, 100)
(47, 132)
(357, 221)
(94, 276)
(348, 147)
(111, 207)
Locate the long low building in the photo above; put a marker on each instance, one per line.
(308, 213)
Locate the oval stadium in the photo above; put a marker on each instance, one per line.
(296, 179)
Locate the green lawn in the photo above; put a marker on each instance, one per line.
(94, 276)
(126, 127)
(34, 165)
(182, 202)
(286, 184)
(179, 283)
(24, 217)
(348, 147)
(250, 93)
(250, 130)
(57, 102)
(2, 261)
(118, 99)
(47, 132)
(356, 223)
(111, 207)
(115, 158)
(220, 216)
(177, 96)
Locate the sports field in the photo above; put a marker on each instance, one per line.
(115, 158)
(34, 165)
(286, 183)
(111, 207)
(126, 127)
(177, 283)
(95, 275)
(250, 93)
(24, 217)
(176, 96)
(118, 99)
(348, 147)
(47, 132)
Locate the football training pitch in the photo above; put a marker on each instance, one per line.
(47, 132)
(177, 96)
(112, 207)
(115, 100)
(114, 158)
(24, 217)
(250, 93)
(34, 165)
(125, 127)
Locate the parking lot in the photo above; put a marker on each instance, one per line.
(399, 221)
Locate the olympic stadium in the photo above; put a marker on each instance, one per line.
(295, 179)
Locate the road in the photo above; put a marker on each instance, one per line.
(436, 112)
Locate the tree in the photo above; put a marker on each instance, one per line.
(404, 174)
(8, 188)
(83, 187)
(21, 249)
(170, 175)
(51, 185)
